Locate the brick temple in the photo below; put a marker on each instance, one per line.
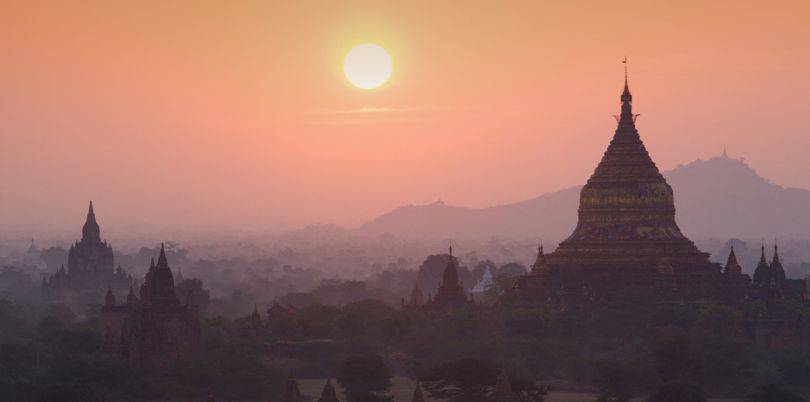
(626, 241)
(90, 264)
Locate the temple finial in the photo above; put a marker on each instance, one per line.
(626, 96)
(624, 61)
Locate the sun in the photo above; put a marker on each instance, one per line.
(367, 66)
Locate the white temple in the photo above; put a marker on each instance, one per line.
(485, 283)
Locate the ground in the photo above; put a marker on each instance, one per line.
(403, 391)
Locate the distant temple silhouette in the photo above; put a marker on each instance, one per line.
(156, 326)
(449, 296)
(32, 261)
(626, 242)
(90, 264)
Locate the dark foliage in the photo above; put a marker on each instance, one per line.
(678, 392)
(365, 379)
(773, 393)
(471, 380)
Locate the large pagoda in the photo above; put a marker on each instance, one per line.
(626, 236)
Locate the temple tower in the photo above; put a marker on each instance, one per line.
(158, 286)
(732, 266)
(762, 274)
(627, 209)
(450, 293)
(90, 264)
(626, 227)
(90, 256)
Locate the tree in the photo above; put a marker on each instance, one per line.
(201, 296)
(614, 381)
(54, 257)
(365, 379)
(673, 354)
(772, 393)
(511, 270)
(678, 392)
(471, 380)
(465, 380)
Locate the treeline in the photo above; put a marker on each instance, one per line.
(617, 353)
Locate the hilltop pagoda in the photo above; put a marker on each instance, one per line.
(626, 240)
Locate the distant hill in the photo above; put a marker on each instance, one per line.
(717, 198)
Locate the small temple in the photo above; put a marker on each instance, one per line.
(328, 394)
(485, 284)
(450, 295)
(32, 261)
(156, 326)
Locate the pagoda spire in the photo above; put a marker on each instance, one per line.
(90, 230)
(540, 266)
(777, 270)
(626, 118)
(732, 266)
(762, 274)
(162, 257)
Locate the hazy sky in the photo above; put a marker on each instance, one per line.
(228, 115)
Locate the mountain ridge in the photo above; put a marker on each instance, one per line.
(720, 197)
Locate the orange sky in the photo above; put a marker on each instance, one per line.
(214, 116)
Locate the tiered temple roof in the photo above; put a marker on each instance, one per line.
(626, 227)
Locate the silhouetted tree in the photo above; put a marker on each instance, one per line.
(772, 393)
(365, 379)
(614, 381)
(471, 380)
(201, 296)
(678, 392)
(54, 257)
(672, 352)
(511, 270)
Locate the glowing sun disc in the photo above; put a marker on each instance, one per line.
(367, 66)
